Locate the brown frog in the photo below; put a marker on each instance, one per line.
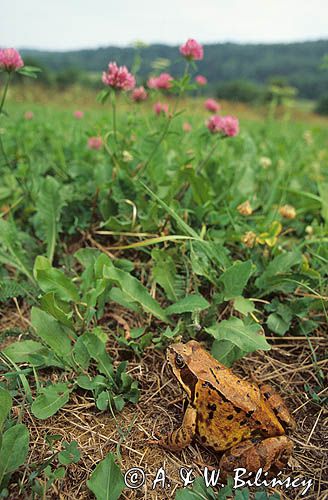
(229, 414)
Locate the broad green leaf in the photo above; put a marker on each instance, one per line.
(117, 295)
(246, 337)
(277, 324)
(235, 279)
(34, 353)
(14, 449)
(80, 354)
(91, 384)
(12, 251)
(48, 209)
(226, 352)
(273, 276)
(106, 481)
(97, 351)
(243, 305)
(51, 399)
(135, 291)
(59, 310)
(56, 336)
(5, 405)
(165, 274)
(190, 303)
(103, 400)
(53, 280)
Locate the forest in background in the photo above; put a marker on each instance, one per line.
(297, 64)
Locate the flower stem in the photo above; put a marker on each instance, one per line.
(5, 92)
(114, 115)
(207, 157)
(4, 154)
(158, 143)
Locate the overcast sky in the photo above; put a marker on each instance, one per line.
(74, 24)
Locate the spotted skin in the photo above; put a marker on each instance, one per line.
(228, 413)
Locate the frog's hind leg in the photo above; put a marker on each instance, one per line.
(181, 437)
(278, 406)
(270, 454)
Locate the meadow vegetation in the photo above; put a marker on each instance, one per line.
(127, 223)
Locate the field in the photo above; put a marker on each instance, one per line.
(112, 250)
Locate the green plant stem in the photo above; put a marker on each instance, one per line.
(158, 143)
(207, 157)
(5, 90)
(165, 129)
(3, 152)
(113, 99)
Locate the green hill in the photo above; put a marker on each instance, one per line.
(298, 63)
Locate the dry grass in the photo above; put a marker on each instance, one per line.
(76, 96)
(288, 366)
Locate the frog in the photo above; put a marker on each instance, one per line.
(245, 422)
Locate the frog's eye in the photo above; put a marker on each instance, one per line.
(179, 361)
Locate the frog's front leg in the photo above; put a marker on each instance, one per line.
(278, 406)
(181, 437)
(270, 454)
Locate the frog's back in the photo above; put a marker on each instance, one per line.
(230, 409)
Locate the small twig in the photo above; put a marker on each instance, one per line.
(314, 426)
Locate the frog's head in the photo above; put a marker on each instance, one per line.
(183, 359)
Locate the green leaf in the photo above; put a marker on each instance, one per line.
(48, 209)
(13, 252)
(53, 280)
(244, 336)
(199, 491)
(80, 354)
(97, 350)
(30, 71)
(91, 384)
(235, 279)
(9, 289)
(226, 352)
(243, 305)
(34, 353)
(106, 481)
(14, 449)
(242, 494)
(277, 324)
(103, 400)
(56, 336)
(5, 405)
(51, 399)
(274, 275)
(56, 308)
(280, 319)
(135, 291)
(190, 303)
(117, 295)
(103, 96)
(70, 454)
(165, 274)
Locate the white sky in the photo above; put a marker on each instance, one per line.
(74, 24)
